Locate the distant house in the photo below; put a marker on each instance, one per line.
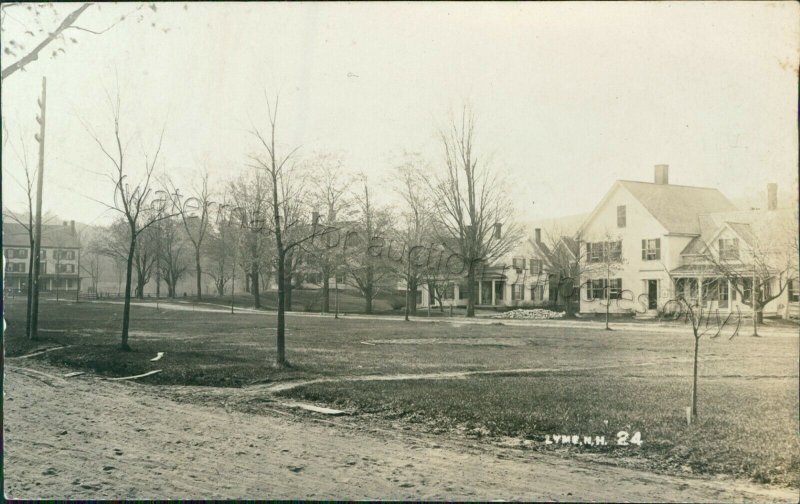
(526, 276)
(60, 257)
(670, 240)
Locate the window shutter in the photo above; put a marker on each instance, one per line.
(658, 248)
(644, 250)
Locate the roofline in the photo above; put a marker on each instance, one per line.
(672, 185)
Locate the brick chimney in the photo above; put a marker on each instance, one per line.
(772, 196)
(538, 233)
(72, 227)
(662, 174)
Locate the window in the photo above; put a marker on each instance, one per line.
(462, 291)
(449, 291)
(535, 266)
(794, 295)
(15, 267)
(517, 292)
(747, 289)
(615, 288)
(597, 288)
(17, 253)
(42, 267)
(651, 250)
(43, 254)
(602, 251)
(728, 249)
(518, 263)
(537, 292)
(723, 293)
(65, 268)
(621, 216)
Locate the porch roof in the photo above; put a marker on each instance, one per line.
(698, 270)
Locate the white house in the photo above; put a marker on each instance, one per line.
(647, 243)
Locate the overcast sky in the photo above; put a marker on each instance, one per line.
(568, 97)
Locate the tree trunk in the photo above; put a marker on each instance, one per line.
(281, 358)
(199, 272)
(694, 379)
(471, 291)
(413, 297)
(254, 285)
(326, 293)
(126, 311)
(289, 288)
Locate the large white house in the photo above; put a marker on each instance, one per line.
(646, 244)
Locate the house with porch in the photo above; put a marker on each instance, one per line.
(523, 277)
(646, 243)
(59, 261)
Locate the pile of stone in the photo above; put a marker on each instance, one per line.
(530, 314)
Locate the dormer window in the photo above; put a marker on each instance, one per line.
(728, 249)
(621, 216)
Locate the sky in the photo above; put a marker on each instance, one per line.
(569, 97)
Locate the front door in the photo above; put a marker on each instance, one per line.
(652, 294)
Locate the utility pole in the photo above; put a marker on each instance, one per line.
(37, 244)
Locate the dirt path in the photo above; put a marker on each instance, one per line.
(92, 439)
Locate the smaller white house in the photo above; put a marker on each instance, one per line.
(522, 277)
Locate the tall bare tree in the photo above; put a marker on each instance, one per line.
(366, 248)
(416, 229)
(472, 211)
(195, 212)
(286, 224)
(133, 199)
(174, 262)
(249, 200)
(330, 199)
(26, 221)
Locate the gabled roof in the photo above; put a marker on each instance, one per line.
(677, 207)
(750, 225)
(571, 245)
(53, 236)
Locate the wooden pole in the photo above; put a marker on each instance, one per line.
(38, 233)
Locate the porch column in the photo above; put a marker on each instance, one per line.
(480, 289)
(494, 291)
(700, 291)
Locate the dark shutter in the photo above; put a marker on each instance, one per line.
(658, 248)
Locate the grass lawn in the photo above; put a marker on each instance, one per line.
(633, 380)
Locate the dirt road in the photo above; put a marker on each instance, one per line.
(83, 438)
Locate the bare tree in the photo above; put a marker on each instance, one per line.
(223, 241)
(417, 211)
(330, 200)
(566, 259)
(472, 210)
(285, 225)
(195, 212)
(249, 195)
(365, 249)
(132, 199)
(174, 262)
(26, 221)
